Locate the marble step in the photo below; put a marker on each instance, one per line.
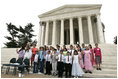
(100, 75)
(112, 63)
(110, 58)
(108, 47)
(108, 70)
(114, 53)
(109, 61)
(109, 67)
(105, 72)
(113, 57)
(109, 54)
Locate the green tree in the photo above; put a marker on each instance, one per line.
(13, 31)
(115, 40)
(25, 34)
(34, 42)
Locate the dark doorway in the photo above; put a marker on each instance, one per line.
(66, 32)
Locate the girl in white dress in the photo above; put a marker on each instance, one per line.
(76, 69)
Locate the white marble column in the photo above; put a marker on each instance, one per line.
(47, 33)
(71, 31)
(81, 40)
(62, 32)
(90, 30)
(54, 33)
(100, 31)
(42, 36)
(40, 31)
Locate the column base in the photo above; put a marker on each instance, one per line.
(72, 44)
(53, 45)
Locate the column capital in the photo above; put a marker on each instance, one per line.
(62, 19)
(79, 17)
(89, 18)
(97, 14)
(71, 18)
(89, 15)
(47, 21)
(40, 23)
(54, 20)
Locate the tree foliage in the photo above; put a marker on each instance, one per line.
(23, 35)
(13, 31)
(115, 40)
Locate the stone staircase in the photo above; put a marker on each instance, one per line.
(109, 61)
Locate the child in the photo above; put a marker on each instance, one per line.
(48, 61)
(80, 55)
(83, 49)
(87, 60)
(92, 55)
(60, 64)
(34, 49)
(76, 69)
(41, 58)
(54, 62)
(58, 49)
(98, 56)
(64, 47)
(65, 52)
(35, 68)
(71, 50)
(51, 49)
(68, 65)
(77, 46)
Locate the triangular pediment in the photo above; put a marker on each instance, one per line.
(70, 8)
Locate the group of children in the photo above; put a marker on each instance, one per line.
(73, 61)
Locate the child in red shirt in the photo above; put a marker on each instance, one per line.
(98, 56)
(34, 49)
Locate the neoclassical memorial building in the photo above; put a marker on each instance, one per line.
(71, 24)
